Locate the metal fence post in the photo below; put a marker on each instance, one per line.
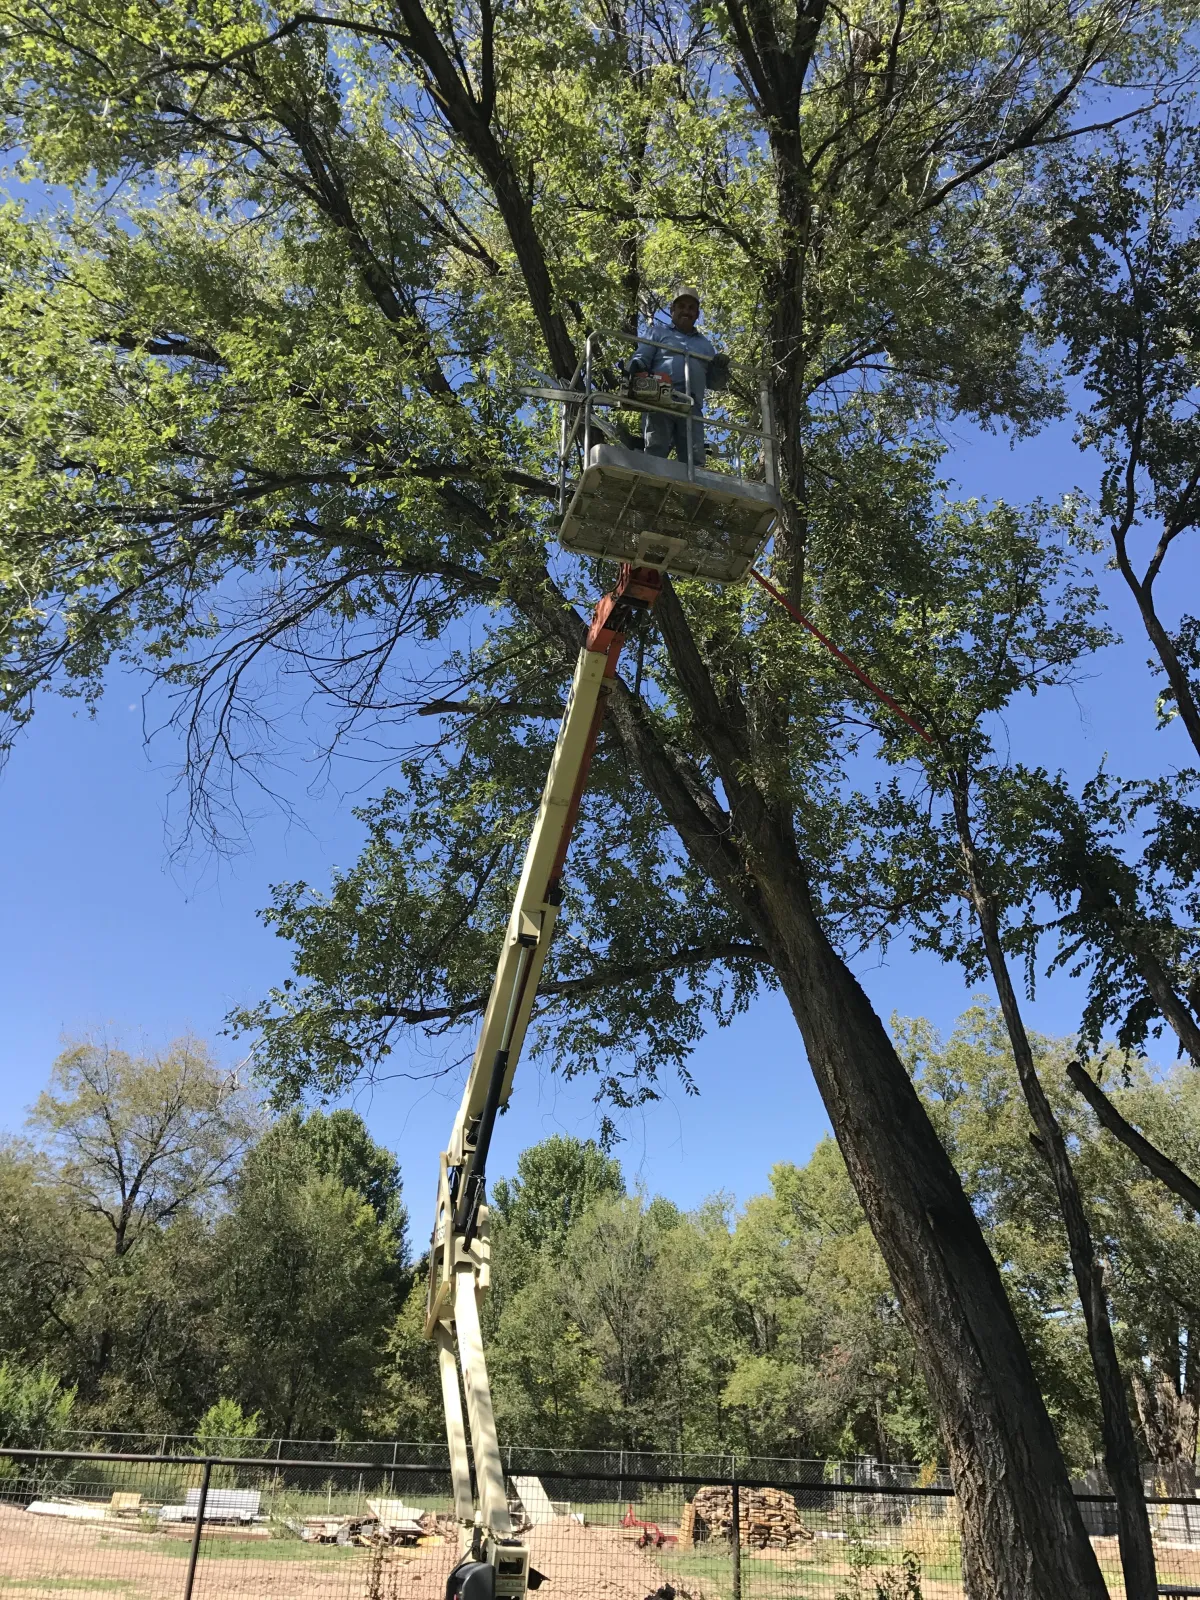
(735, 1542)
(195, 1550)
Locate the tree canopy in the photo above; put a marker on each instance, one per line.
(261, 405)
(261, 1263)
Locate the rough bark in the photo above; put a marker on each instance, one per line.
(1120, 1441)
(1168, 1417)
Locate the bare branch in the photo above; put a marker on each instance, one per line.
(1163, 1168)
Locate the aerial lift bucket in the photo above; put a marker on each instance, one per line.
(630, 506)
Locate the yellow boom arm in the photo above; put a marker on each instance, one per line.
(459, 1254)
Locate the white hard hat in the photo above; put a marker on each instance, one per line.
(686, 293)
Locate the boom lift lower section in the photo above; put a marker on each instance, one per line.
(459, 1262)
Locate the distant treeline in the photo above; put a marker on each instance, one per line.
(173, 1260)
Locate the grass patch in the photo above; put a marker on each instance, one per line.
(68, 1583)
(245, 1549)
(824, 1570)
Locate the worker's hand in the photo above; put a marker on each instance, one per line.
(718, 372)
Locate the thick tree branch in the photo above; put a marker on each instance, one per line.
(470, 119)
(600, 978)
(1163, 1168)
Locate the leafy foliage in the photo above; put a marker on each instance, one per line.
(226, 1430)
(262, 410)
(305, 1297)
(35, 1408)
(140, 1140)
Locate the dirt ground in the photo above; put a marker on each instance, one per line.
(578, 1563)
(592, 1563)
(43, 1558)
(61, 1560)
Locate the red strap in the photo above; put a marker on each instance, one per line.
(858, 672)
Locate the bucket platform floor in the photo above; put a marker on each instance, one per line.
(630, 506)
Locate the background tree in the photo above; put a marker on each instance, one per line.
(1146, 1239)
(533, 1212)
(41, 1257)
(1150, 1237)
(407, 1402)
(35, 1409)
(140, 1140)
(337, 1145)
(796, 1343)
(226, 1430)
(135, 1144)
(824, 1365)
(768, 1330)
(312, 1205)
(64, 1295)
(556, 1181)
(307, 1288)
(35, 1414)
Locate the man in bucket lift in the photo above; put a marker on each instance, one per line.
(664, 433)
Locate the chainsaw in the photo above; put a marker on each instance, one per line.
(656, 387)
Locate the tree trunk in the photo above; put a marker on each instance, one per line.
(1120, 1442)
(1023, 1538)
(1169, 1421)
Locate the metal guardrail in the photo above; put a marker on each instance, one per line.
(586, 399)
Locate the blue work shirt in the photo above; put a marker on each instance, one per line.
(649, 358)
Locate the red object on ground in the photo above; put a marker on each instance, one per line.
(652, 1534)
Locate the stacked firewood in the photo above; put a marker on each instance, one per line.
(768, 1518)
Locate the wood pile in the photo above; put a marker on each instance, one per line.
(768, 1518)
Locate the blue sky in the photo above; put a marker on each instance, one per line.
(105, 933)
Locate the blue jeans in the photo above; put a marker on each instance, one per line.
(665, 434)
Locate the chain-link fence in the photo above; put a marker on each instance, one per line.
(90, 1526)
(702, 1465)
